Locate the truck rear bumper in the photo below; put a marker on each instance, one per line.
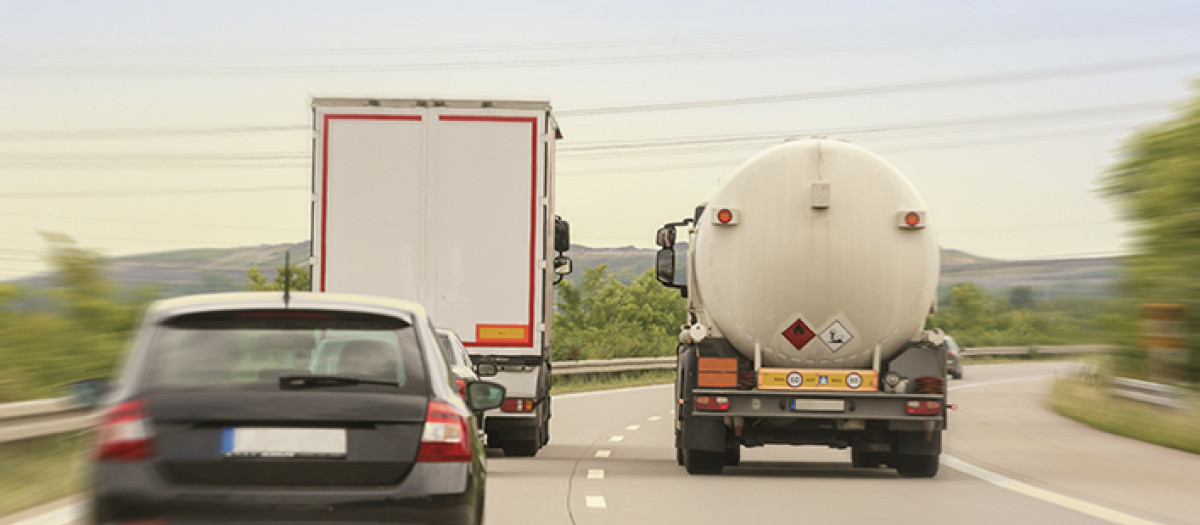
(867, 406)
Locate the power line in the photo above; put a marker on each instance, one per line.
(143, 133)
(152, 223)
(706, 140)
(1001, 78)
(84, 194)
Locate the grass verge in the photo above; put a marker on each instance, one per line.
(40, 470)
(592, 382)
(1091, 405)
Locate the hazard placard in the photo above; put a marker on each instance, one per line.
(835, 336)
(798, 334)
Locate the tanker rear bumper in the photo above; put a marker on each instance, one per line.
(865, 406)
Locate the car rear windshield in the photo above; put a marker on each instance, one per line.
(253, 349)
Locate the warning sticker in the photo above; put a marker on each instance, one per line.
(798, 334)
(835, 336)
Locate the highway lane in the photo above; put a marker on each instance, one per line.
(1008, 460)
(611, 460)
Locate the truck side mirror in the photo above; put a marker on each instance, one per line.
(665, 266)
(666, 237)
(563, 265)
(562, 237)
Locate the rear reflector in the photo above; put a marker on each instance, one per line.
(445, 436)
(712, 403)
(124, 433)
(923, 408)
(517, 405)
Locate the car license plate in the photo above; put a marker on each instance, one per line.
(283, 442)
(818, 405)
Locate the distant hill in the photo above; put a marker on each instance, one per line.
(214, 270)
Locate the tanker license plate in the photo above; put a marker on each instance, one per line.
(818, 405)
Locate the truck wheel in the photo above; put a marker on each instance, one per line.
(703, 461)
(525, 448)
(925, 466)
(679, 456)
(865, 459)
(733, 456)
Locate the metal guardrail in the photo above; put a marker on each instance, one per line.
(42, 417)
(1148, 392)
(29, 419)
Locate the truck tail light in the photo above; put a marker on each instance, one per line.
(911, 220)
(461, 384)
(445, 438)
(725, 216)
(712, 403)
(517, 405)
(927, 407)
(124, 433)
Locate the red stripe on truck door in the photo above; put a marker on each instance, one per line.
(325, 175)
(533, 203)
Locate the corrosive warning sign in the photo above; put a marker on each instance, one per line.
(835, 336)
(798, 334)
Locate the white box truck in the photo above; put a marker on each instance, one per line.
(449, 203)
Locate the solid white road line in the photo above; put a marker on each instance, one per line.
(1005, 482)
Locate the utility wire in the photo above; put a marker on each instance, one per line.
(1000, 78)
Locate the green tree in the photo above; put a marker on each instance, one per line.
(300, 279)
(1156, 186)
(1021, 297)
(604, 318)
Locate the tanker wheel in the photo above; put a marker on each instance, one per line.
(733, 456)
(703, 461)
(679, 456)
(866, 459)
(914, 466)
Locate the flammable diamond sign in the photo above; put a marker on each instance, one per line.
(798, 334)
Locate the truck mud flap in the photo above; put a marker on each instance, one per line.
(918, 443)
(704, 434)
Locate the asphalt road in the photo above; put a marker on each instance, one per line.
(1009, 459)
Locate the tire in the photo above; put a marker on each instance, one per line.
(865, 459)
(679, 456)
(704, 462)
(958, 374)
(545, 433)
(525, 448)
(733, 456)
(917, 466)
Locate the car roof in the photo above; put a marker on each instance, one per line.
(189, 304)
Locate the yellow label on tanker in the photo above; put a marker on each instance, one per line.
(796, 379)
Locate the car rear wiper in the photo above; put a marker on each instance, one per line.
(297, 381)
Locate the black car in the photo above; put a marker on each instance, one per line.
(251, 407)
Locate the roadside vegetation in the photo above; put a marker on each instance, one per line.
(1090, 403)
(41, 469)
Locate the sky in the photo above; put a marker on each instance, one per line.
(145, 126)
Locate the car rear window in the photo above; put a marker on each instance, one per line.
(252, 349)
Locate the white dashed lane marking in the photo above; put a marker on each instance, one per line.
(603, 453)
(653, 418)
(595, 473)
(596, 502)
(617, 439)
(633, 427)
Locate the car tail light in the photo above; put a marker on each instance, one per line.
(923, 408)
(445, 437)
(517, 405)
(124, 433)
(712, 403)
(462, 387)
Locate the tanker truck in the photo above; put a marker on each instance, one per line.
(809, 276)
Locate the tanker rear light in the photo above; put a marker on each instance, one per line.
(927, 407)
(712, 403)
(517, 405)
(726, 216)
(911, 220)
